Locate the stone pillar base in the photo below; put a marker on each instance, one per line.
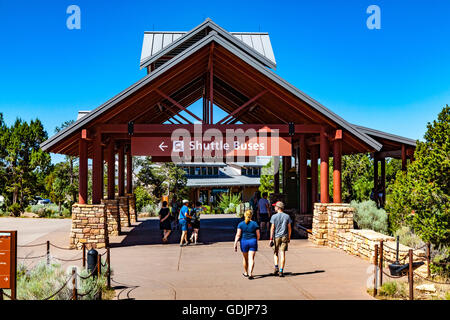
(320, 224)
(123, 212)
(88, 226)
(132, 207)
(340, 221)
(112, 216)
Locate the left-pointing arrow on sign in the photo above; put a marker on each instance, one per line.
(162, 146)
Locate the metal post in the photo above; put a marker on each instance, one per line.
(108, 261)
(381, 263)
(48, 253)
(84, 255)
(74, 284)
(99, 266)
(375, 273)
(411, 276)
(428, 259)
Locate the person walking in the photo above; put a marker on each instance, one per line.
(254, 204)
(175, 212)
(264, 214)
(195, 221)
(182, 220)
(280, 236)
(164, 221)
(248, 234)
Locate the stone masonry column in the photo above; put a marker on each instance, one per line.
(340, 221)
(112, 216)
(320, 224)
(132, 207)
(124, 214)
(88, 226)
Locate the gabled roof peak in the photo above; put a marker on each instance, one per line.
(159, 46)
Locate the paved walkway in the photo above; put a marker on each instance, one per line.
(212, 270)
(146, 269)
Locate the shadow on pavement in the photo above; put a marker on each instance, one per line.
(287, 274)
(212, 230)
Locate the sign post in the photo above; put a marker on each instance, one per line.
(8, 262)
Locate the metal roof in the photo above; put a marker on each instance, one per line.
(236, 50)
(385, 135)
(177, 41)
(155, 41)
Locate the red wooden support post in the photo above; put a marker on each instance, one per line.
(129, 170)
(375, 172)
(314, 173)
(381, 263)
(411, 275)
(303, 175)
(99, 266)
(375, 273)
(337, 158)
(97, 169)
(83, 172)
(111, 170)
(74, 284)
(428, 259)
(383, 179)
(211, 84)
(121, 173)
(403, 157)
(324, 158)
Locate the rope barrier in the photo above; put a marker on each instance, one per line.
(60, 289)
(68, 260)
(390, 276)
(29, 258)
(31, 245)
(89, 275)
(85, 294)
(6, 295)
(62, 248)
(443, 283)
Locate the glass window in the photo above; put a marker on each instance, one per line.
(191, 171)
(197, 171)
(210, 171)
(186, 170)
(243, 171)
(216, 171)
(203, 171)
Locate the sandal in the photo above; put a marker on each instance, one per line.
(245, 275)
(250, 278)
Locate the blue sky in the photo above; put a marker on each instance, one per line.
(394, 79)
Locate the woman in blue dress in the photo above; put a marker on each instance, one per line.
(248, 234)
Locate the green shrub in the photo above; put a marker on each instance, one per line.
(393, 289)
(408, 238)
(440, 265)
(229, 202)
(143, 198)
(42, 281)
(15, 209)
(368, 216)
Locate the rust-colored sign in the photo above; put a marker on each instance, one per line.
(8, 261)
(250, 146)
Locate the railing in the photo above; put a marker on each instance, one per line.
(95, 273)
(380, 259)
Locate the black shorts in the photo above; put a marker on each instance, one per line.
(195, 224)
(264, 217)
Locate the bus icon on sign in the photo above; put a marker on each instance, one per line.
(178, 146)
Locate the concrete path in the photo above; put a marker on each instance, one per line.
(147, 269)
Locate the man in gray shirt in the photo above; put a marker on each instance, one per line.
(280, 235)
